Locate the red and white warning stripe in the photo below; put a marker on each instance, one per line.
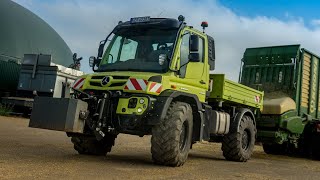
(136, 84)
(78, 83)
(155, 87)
(257, 99)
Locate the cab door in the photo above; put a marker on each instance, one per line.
(193, 74)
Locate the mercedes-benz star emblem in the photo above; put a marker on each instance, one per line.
(105, 80)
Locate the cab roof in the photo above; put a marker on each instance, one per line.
(159, 23)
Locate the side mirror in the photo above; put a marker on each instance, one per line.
(100, 50)
(194, 57)
(194, 43)
(92, 61)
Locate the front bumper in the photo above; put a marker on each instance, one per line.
(127, 114)
(133, 112)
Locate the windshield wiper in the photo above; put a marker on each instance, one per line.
(104, 70)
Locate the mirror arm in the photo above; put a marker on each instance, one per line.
(173, 70)
(93, 69)
(185, 34)
(178, 71)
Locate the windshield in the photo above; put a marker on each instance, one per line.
(138, 49)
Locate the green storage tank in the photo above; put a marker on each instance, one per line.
(23, 32)
(9, 76)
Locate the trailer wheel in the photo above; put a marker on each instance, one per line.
(238, 145)
(91, 146)
(315, 147)
(171, 139)
(310, 142)
(275, 149)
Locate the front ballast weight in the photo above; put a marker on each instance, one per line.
(71, 115)
(61, 114)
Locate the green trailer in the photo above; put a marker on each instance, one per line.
(289, 77)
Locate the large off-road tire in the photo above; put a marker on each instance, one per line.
(171, 139)
(238, 145)
(275, 149)
(91, 146)
(310, 141)
(315, 147)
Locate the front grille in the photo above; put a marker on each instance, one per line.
(95, 84)
(117, 81)
(118, 84)
(114, 77)
(111, 85)
(97, 77)
(121, 77)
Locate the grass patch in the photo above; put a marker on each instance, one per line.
(5, 109)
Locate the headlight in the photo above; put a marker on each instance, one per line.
(141, 101)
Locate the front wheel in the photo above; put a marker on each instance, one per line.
(91, 146)
(238, 145)
(171, 139)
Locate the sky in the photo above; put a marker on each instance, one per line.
(234, 24)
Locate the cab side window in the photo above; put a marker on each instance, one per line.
(112, 58)
(184, 53)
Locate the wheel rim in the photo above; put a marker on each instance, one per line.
(245, 139)
(183, 136)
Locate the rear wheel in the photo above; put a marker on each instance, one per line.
(91, 146)
(238, 145)
(171, 139)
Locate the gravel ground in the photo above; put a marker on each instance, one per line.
(28, 153)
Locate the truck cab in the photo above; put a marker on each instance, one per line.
(159, 49)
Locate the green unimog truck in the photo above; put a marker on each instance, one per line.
(289, 76)
(152, 77)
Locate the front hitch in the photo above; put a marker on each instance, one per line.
(101, 116)
(100, 113)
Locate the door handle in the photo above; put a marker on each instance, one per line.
(202, 82)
